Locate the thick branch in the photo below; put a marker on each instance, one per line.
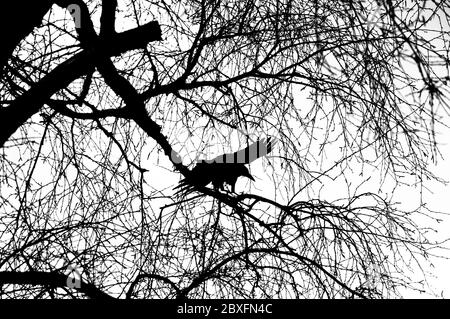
(108, 18)
(136, 106)
(151, 276)
(29, 103)
(52, 279)
(18, 18)
(61, 108)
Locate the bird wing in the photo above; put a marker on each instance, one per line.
(249, 154)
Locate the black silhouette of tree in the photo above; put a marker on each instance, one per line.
(107, 105)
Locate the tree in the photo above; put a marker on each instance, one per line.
(225, 168)
(98, 123)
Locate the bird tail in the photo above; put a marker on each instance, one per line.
(183, 188)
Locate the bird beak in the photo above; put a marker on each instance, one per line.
(251, 177)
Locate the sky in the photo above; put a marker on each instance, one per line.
(436, 196)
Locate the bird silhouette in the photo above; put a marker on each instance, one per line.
(225, 168)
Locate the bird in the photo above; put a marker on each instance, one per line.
(224, 169)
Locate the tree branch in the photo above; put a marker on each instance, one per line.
(52, 279)
(18, 19)
(29, 103)
(108, 19)
(151, 276)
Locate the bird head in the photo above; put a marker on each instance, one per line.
(245, 172)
